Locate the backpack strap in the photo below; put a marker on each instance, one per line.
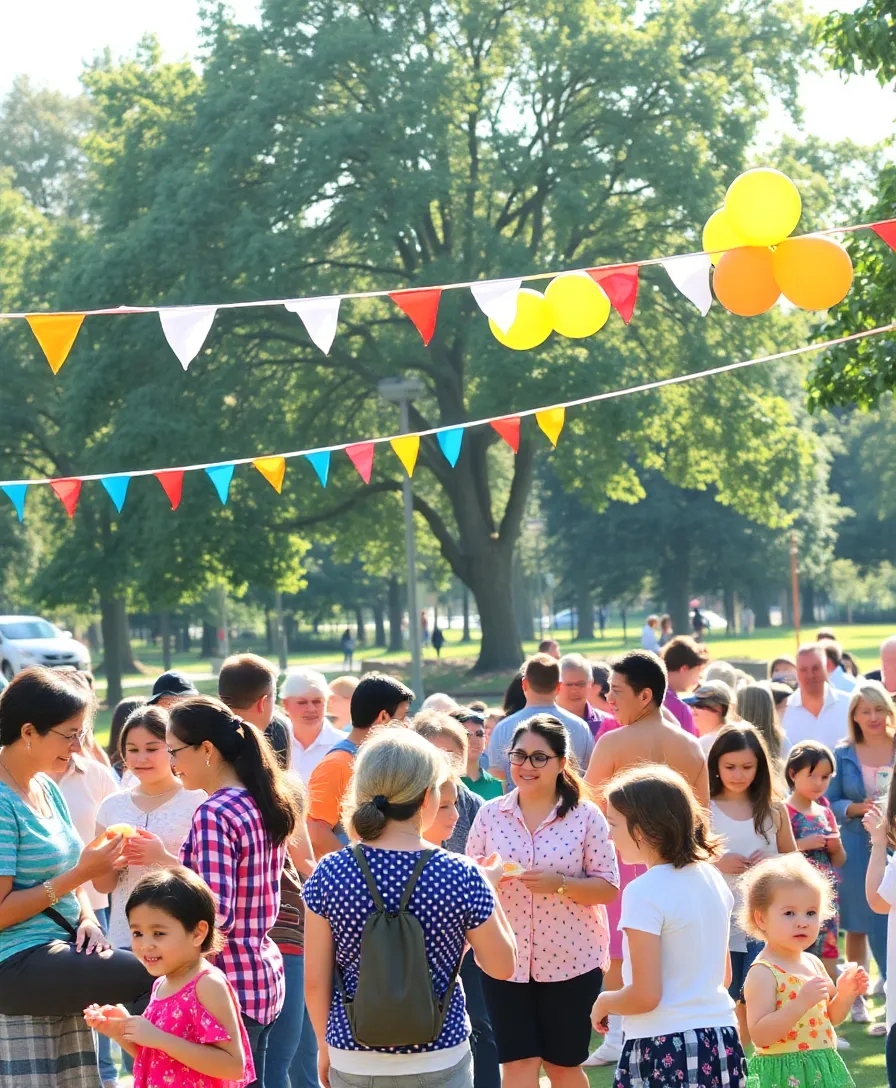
(358, 854)
(425, 855)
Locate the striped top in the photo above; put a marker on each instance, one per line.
(229, 847)
(33, 849)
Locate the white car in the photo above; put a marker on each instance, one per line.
(30, 640)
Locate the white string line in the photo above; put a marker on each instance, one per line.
(643, 388)
(120, 311)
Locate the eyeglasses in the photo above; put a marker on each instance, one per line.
(475, 732)
(70, 738)
(172, 752)
(575, 683)
(538, 759)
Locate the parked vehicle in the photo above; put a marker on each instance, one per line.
(30, 640)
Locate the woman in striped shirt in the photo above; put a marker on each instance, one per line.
(237, 844)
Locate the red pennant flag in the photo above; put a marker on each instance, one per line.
(887, 231)
(509, 429)
(422, 307)
(173, 485)
(621, 287)
(68, 491)
(361, 456)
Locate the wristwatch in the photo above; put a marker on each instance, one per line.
(563, 888)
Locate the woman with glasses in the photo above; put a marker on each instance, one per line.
(560, 870)
(54, 957)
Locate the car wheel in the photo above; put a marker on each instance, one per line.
(8, 671)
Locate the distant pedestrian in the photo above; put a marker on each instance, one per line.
(666, 630)
(550, 647)
(424, 630)
(348, 649)
(438, 640)
(698, 622)
(748, 620)
(649, 634)
(602, 620)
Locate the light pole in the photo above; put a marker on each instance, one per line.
(402, 391)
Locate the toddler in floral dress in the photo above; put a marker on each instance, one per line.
(191, 1034)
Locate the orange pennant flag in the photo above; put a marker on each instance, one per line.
(273, 469)
(551, 421)
(68, 491)
(406, 449)
(55, 333)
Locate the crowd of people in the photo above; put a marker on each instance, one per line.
(311, 886)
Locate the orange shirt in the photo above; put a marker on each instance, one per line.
(327, 787)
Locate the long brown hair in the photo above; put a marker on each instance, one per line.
(761, 792)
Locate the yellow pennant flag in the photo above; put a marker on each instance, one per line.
(55, 333)
(551, 421)
(273, 469)
(406, 449)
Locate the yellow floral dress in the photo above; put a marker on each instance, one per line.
(807, 1055)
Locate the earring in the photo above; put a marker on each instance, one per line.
(208, 761)
(28, 745)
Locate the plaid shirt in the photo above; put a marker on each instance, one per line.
(229, 848)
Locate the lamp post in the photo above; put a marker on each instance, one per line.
(402, 391)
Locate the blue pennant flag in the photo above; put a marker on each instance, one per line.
(320, 462)
(16, 494)
(117, 489)
(450, 443)
(220, 476)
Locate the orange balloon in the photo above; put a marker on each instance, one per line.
(744, 282)
(813, 273)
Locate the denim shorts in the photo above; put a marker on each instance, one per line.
(741, 962)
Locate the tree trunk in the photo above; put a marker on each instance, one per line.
(491, 583)
(209, 639)
(807, 604)
(165, 627)
(730, 599)
(128, 664)
(675, 577)
(94, 640)
(585, 608)
(270, 626)
(379, 624)
(760, 602)
(396, 612)
(109, 616)
(465, 636)
(359, 624)
(624, 625)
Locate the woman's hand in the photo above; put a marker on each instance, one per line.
(733, 864)
(875, 824)
(812, 842)
(542, 881)
(90, 937)
(144, 848)
(599, 1014)
(859, 809)
(98, 857)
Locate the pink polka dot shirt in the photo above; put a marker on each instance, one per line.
(556, 938)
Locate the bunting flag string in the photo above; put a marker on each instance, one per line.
(550, 418)
(186, 328)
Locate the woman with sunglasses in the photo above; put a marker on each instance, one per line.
(560, 870)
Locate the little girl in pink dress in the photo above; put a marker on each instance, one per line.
(191, 1034)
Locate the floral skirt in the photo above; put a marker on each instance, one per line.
(703, 1058)
(804, 1069)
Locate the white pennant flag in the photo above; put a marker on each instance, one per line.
(319, 316)
(497, 300)
(691, 276)
(186, 328)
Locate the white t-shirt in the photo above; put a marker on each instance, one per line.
(689, 909)
(170, 821)
(304, 760)
(887, 890)
(84, 785)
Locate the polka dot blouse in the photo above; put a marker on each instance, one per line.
(450, 898)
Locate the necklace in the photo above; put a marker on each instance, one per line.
(29, 799)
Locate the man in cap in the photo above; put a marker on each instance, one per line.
(710, 704)
(169, 689)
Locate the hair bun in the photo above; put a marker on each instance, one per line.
(380, 802)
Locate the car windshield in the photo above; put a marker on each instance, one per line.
(29, 629)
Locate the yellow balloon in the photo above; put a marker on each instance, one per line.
(532, 325)
(763, 206)
(577, 306)
(719, 236)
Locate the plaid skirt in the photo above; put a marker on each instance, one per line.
(45, 1051)
(703, 1058)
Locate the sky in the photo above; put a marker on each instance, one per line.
(71, 32)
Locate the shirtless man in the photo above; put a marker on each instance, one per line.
(637, 689)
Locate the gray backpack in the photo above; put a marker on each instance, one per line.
(394, 1003)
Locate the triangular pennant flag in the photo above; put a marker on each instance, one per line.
(361, 456)
(16, 494)
(450, 442)
(68, 491)
(186, 329)
(172, 483)
(497, 300)
(406, 449)
(691, 276)
(887, 231)
(551, 421)
(55, 333)
(509, 429)
(273, 469)
(320, 462)
(422, 307)
(220, 476)
(620, 285)
(320, 317)
(117, 489)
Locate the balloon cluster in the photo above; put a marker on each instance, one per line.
(573, 305)
(755, 260)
